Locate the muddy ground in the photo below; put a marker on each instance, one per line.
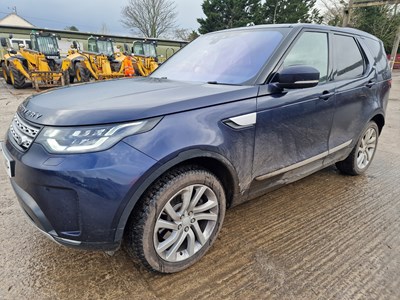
(327, 236)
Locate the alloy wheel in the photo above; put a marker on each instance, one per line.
(367, 148)
(186, 223)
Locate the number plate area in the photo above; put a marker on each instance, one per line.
(9, 163)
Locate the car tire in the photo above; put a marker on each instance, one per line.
(363, 152)
(178, 220)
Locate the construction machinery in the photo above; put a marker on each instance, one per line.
(99, 61)
(41, 65)
(5, 52)
(145, 57)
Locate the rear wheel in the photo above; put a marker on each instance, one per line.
(178, 220)
(363, 152)
(17, 78)
(71, 76)
(66, 77)
(81, 73)
(5, 73)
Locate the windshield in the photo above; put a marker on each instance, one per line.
(105, 47)
(149, 50)
(47, 45)
(230, 57)
(145, 49)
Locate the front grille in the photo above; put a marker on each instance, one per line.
(22, 132)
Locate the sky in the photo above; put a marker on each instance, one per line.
(90, 15)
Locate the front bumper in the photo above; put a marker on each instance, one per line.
(77, 199)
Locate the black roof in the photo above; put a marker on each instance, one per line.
(310, 26)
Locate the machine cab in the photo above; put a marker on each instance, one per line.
(46, 43)
(145, 48)
(101, 45)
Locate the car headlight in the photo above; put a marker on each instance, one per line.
(90, 138)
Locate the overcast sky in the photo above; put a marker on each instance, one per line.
(89, 15)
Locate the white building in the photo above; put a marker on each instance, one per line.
(14, 20)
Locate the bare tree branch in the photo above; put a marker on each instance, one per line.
(151, 18)
(333, 11)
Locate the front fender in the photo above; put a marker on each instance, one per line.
(159, 169)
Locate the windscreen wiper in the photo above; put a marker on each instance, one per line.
(221, 83)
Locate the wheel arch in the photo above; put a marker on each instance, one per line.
(379, 119)
(22, 59)
(75, 60)
(212, 161)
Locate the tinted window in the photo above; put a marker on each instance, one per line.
(92, 46)
(310, 49)
(232, 57)
(348, 58)
(378, 52)
(105, 47)
(138, 49)
(48, 45)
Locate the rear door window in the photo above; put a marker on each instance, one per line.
(348, 59)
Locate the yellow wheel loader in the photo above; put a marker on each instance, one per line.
(99, 62)
(41, 65)
(5, 53)
(145, 57)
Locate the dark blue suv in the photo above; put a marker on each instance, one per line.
(155, 161)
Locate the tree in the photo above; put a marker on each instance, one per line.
(334, 11)
(193, 35)
(186, 34)
(104, 28)
(151, 18)
(71, 28)
(289, 11)
(224, 14)
(380, 21)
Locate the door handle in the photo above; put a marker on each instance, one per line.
(370, 84)
(326, 95)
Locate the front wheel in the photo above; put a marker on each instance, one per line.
(178, 220)
(5, 73)
(363, 152)
(17, 78)
(66, 77)
(81, 73)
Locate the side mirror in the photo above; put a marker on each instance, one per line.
(10, 36)
(74, 45)
(3, 42)
(297, 77)
(21, 46)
